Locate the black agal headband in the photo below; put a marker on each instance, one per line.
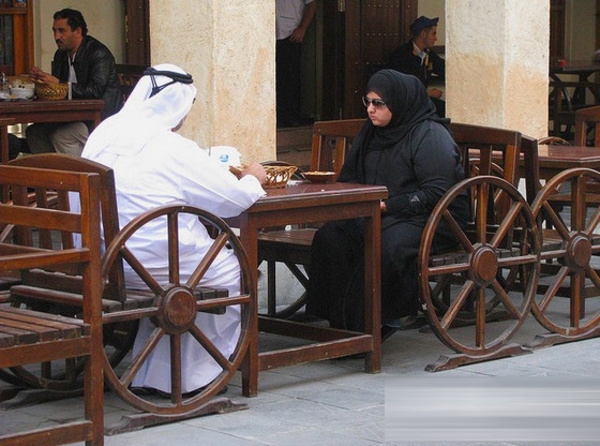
(176, 77)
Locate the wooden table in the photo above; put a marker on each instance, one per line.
(545, 161)
(49, 111)
(312, 203)
(555, 159)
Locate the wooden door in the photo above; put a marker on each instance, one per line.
(16, 36)
(557, 29)
(137, 32)
(358, 37)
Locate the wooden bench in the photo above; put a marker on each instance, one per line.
(28, 336)
(587, 121)
(172, 306)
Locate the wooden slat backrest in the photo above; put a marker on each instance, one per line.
(19, 212)
(584, 119)
(529, 149)
(115, 288)
(489, 151)
(330, 142)
(480, 142)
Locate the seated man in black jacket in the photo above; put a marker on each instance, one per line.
(417, 58)
(90, 67)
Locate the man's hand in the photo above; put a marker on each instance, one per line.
(41, 76)
(298, 35)
(434, 93)
(256, 170)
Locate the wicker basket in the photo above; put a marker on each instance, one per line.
(51, 92)
(277, 176)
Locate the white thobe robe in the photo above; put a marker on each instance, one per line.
(174, 170)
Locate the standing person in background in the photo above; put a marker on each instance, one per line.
(417, 58)
(90, 67)
(292, 20)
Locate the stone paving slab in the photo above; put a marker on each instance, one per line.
(329, 402)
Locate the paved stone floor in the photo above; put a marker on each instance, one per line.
(335, 403)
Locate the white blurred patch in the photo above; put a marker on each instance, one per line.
(502, 410)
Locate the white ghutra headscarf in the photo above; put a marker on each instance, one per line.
(157, 104)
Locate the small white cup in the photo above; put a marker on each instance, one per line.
(226, 155)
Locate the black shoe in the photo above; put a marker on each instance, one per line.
(408, 322)
(387, 332)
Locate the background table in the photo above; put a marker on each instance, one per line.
(312, 203)
(49, 111)
(554, 159)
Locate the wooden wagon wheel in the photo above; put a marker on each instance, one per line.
(568, 303)
(176, 307)
(495, 243)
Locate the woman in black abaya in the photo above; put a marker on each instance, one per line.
(406, 147)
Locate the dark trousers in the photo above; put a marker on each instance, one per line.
(288, 68)
(336, 287)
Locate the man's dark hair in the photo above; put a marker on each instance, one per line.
(74, 19)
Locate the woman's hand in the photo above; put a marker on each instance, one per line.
(382, 207)
(256, 170)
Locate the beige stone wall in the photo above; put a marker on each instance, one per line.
(497, 73)
(229, 47)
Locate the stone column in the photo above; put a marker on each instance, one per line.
(229, 48)
(497, 63)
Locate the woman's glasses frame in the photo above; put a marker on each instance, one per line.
(377, 103)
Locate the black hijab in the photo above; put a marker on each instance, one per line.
(408, 101)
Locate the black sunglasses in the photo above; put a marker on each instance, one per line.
(377, 103)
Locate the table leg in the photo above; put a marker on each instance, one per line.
(373, 288)
(250, 363)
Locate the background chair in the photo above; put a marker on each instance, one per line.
(128, 76)
(587, 122)
(330, 142)
(553, 141)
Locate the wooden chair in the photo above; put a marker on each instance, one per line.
(553, 141)
(561, 110)
(330, 142)
(28, 336)
(173, 306)
(487, 284)
(568, 296)
(587, 121)
(128, 76)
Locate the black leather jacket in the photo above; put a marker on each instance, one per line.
(96, 74)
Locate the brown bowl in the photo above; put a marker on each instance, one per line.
(277, 176)
(315, 176)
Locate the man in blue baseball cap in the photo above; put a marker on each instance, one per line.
(417, 58)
